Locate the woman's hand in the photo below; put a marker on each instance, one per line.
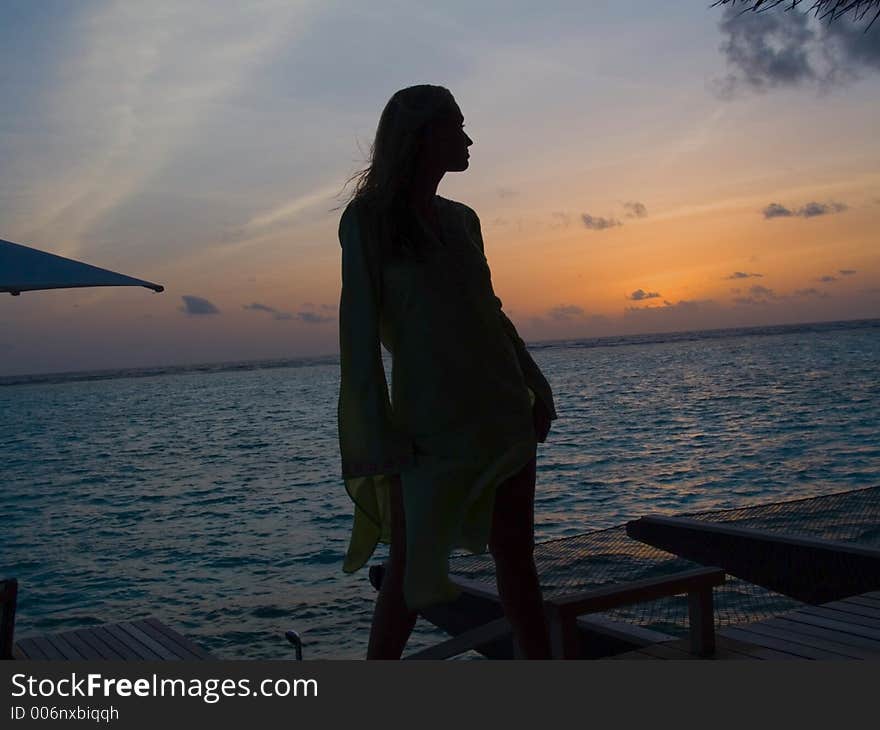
(541, 419)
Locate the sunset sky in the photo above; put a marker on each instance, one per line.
(637, 166)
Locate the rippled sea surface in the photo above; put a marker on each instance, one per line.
(211, 498)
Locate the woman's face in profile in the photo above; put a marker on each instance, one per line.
(446, 142)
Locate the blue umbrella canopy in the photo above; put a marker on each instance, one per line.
(27, 269)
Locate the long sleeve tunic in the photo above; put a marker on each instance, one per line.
(458, 422)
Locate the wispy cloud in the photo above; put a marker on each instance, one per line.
(827, 279)
(560, 220)
(847, 272)
(286, 212)
(139, 82)
(197, 305)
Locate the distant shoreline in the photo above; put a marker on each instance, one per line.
(308, 361)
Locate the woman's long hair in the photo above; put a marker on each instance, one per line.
(383, 186)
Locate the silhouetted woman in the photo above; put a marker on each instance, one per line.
(452, 463)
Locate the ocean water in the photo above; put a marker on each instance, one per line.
(211, 498)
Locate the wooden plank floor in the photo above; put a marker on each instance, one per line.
(144, 640)
(839, 630)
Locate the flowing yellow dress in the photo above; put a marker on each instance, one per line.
(462, 387)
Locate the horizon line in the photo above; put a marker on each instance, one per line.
(218, 365)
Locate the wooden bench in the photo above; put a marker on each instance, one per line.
(698, 584)
(143, 640)
(567, 619)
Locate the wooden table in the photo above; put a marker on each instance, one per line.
(143, 640)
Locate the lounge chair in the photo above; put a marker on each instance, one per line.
(810, 569)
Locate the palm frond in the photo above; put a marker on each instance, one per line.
(831, 9)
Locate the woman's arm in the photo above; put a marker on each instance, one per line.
(534, 377)
(367, 440)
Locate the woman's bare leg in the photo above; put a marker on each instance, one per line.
(511, 543)
(392, 621)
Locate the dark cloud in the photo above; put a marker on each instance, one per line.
(596, 223)
(774, 210)
(312, 317)
(670, 311)
(847, 272)
(811, 292)
(683, 315)
(813, 209)
(197, 305)
(809, 210)
(307, 315)
(766, 50)
(827, 279)
(762, 291)
(640, 294)
(506, 192)
(635, 209)
(566, 312)
(852, 45)
(276, 313)
(757, 295)
(560, 319)
(743, 275)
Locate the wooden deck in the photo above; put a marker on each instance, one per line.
(840, 630)
(145, 640)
